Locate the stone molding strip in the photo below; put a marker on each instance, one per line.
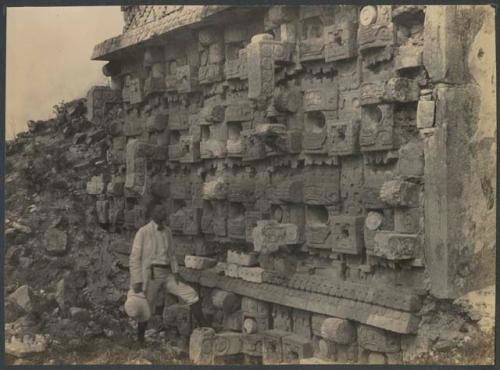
(186, 16)
(382, 317)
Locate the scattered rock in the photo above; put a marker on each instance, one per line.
(56, 241)
(26, 346)
(23, 297)
(12, 311)
(21, 228)
(138, 361)
(79, 314)
(65, 294)
(479, 305)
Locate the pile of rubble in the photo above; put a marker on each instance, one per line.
(63, 284)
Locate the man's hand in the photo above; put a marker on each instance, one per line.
(137, 287)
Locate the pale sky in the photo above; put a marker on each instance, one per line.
(48, 57)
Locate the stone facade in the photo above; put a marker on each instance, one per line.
(305, 157)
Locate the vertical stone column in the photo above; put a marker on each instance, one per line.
(450, 141)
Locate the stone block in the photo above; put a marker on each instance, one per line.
(343, 137)
(133, 90)
(322, 98)
(226, 301)
(341, 41)
(269, 235)
(232, 68)
(201, 346)
(177, 220)
(232, 321)
(296, 347)
(252, 274)
(317, 320)
(376, 29)
(302, 323)
(371, 198)
(321, 185)
(402, 90)
(238, 112)
(407, 220)
(249, 325)
(411, 159)
(255, 308)
(347, 234)
(311, 49)
(253, 148)
(317, 228)
(377, 128)
(398, 193)
(338, 330)
(236, 226)
(408, 56)
(442, 51)
(286, 100)
(187, 78)
(133, 125)
(274, 277)
(425, 114)
(215, 190)
(213, 148)
(232, 270)
(220, 218)
(210, 73)
(178, 119)
(211, 113)
(314, 140)
(324, 349)
(189, 149)
(251, 219)
(228, 343)
(290, 190)
(192, 221)
(394, 247)
(277, 15)
(260, 66)
(207, 218)
(396, 89)
(282, 318)
(199, 263)
(180, 188)
(156, 122)
(137, 154)
(98, 100)
(242, 259)
(378, 340)
(272, 346)
(252, 344)
(257, 324)
(241, 190)
(373, 222)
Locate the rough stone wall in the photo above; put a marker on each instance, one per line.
(312, 163)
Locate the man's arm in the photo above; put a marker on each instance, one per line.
(136, 262)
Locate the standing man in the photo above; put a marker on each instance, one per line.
(154, 269)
